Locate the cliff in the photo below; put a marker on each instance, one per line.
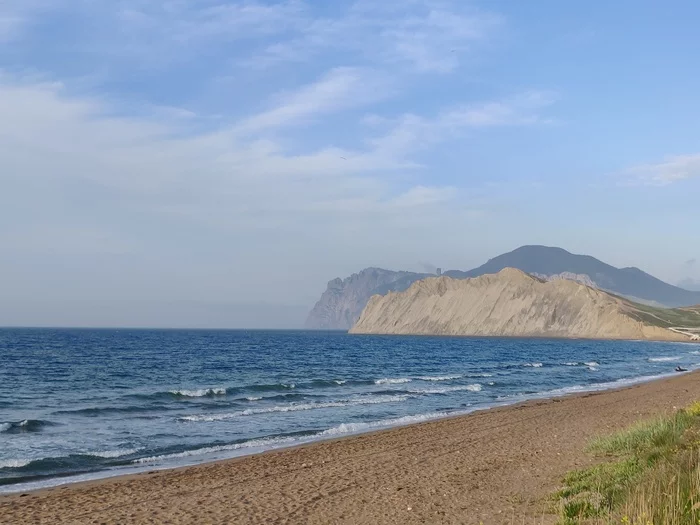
(341, 304)
(512, 303)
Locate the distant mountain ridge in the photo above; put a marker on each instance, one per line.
(341, 304)
(629, 282)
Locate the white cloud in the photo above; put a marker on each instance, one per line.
(339, 89)
(232, 174)
(672, 170)
(412, 131)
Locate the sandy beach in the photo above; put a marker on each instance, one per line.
(496, 466)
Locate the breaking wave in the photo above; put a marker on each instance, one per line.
(393, 381)
(470, 388)
(24, 426)
(374, 400)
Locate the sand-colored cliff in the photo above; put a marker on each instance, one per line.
(509, 303)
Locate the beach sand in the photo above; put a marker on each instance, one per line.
(496, 466)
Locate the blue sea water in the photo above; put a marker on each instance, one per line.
(79, 404)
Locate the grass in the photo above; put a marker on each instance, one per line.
(666, 317)
(650, 474)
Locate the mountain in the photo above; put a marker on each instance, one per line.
(342, 302)
(547, 261)
(514, 303)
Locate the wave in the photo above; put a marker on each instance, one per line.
(446, 390)
(592, 387)
(392, 381)
(109, 454)
(355, 428)
(264, 443)
(374, 400)
(267, 443)
(98, 411)
(663, 359)
(208, 392)
(26, 425)
(253, 398)
(14, 463)
(439, 378)
(533, 365)
(202, 392)
(480, 374)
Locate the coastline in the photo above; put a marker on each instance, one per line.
(483, 466)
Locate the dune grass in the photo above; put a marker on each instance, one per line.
(649, 475)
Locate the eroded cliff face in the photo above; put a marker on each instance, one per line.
(341, 304)
(509, 303)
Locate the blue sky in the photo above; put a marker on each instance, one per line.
(161, 153)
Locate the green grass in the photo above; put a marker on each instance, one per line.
(666, 317)
(650, 474)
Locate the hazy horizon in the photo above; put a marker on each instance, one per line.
(190, 163)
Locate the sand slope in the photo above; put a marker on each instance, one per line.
(509, 303)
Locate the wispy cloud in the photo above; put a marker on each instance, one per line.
(421, 35)
(412, 131)
(339, 89)
(673, 169)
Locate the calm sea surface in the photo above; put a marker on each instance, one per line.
(79, 404)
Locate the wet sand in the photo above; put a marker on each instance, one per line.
(497, 466)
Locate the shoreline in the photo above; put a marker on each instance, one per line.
(344, 459)
(138, 468)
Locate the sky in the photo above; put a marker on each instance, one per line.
(215, 163)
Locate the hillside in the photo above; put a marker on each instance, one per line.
(513, 303)
(546, 261)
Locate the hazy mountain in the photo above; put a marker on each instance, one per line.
(342, 302)
(630, 282)
(514, 303)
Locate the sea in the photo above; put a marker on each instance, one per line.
(84, 404)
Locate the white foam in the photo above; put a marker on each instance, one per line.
(254, 443)
(533, 365)
(438, 378)
(392, 381)
(663, 359)
(373, 400)
(5, 426)
(471, 388)
(202, 392)
(591, 363)
(114, 453)
(340, 381)
(15, 463)
(694, 352)
(593, 387)
(354, 428)
(253, 398)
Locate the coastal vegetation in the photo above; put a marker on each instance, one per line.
(648, 474)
